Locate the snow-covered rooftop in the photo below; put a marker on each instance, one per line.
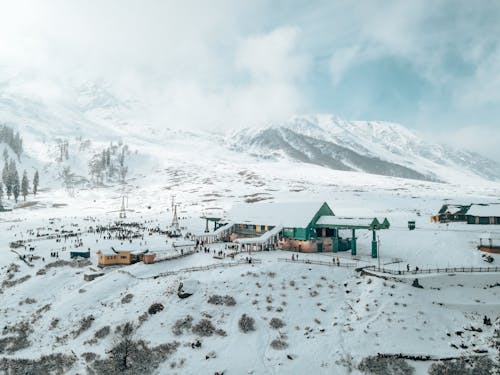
(334, 220)
(261, 239)
(293, 214)
(490, 210)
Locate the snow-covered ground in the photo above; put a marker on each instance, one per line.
(333, 317)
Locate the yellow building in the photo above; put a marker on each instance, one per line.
(112, 258)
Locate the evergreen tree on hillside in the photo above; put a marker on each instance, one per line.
(11, 177)
(66, 149)
(5, 154)
(1, 195)
(36, 181)
(25, 185)
(15, 186)
(17, 145)
(8, 188)
(5, 172)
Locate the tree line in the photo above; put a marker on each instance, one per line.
(12, 186)
(109, 164)
(13, 139)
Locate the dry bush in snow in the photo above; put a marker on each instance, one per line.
(204, 328)
(85, 324)
(276, 323)
(102, 332)
(246, 323)
(127, 298)
(182, 325)
(155, 308)
(385, 366)
(465, 366)
(19, 339)
(222, 300)
(47, 364)
(278, 344)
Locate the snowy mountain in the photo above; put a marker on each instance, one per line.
(373, 147)
(88, 118)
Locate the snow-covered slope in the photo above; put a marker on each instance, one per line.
(294, 156)
(374, 147)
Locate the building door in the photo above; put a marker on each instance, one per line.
(320, 247)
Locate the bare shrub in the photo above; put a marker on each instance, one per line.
(11, 283)
(102, 332)
(385, 365)
(276, 323)
(27, 301)
(19, 339)
(278, 344)
(48, 364)
(39, 312)
(127, 298)
(182, 325)
(131, 356)
(222, 300)
(155, 308)
(204, 328)
(246, 323)
(464, 366)
(85, 324)
(143, 317)
(53, 323)
(89, 356)
(220, 332)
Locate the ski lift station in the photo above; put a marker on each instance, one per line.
(303, 227)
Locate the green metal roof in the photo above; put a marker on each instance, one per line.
(454, 209)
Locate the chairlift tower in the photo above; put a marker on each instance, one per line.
(175, 220)
(123, 212)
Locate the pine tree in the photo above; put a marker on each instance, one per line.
(103, 159)
(5, 155)
(15, 186)
(5, 172)
(36, 181)
(25, 185)
(12, 172)
(1, 195)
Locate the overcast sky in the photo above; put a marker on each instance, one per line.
(433, 66)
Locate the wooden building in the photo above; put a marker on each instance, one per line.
(489, 244)
(451, 212)
(485, 214)
(297, 226)
(116, 257)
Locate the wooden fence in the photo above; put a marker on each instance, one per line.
(319, 262)
(434, 270)
(195, 269)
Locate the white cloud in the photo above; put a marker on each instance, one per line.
(193, 64)
(272, 56)
(482, 139)
(343, 59)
